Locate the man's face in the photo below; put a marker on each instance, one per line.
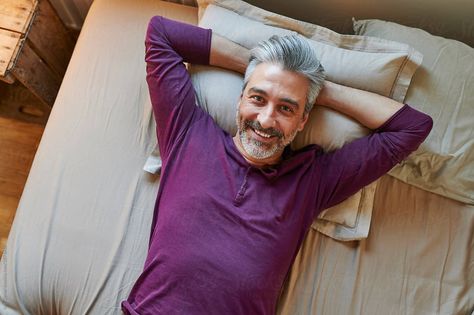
(270, 113)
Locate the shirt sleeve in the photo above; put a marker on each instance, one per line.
(168, 44)
(357, 164)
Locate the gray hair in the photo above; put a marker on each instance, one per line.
(292, 53)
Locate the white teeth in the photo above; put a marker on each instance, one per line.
(262, 134)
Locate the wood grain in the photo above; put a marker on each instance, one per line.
(34, 74)
(18, 144)
(9, 45)
(50, 39)
(15, 15)
(18, 103)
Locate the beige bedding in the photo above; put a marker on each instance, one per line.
(418, 259)
(81, 231)
(443, 87)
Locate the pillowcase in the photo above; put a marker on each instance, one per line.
(372, 64)
(443, 87)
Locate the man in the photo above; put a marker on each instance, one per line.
(231, 212)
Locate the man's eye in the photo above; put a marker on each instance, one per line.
(257, 98)
(286, 109)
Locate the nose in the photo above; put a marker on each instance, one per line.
(266, 117)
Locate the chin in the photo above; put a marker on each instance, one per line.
(256, 150)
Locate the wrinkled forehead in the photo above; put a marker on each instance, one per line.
(274, 81)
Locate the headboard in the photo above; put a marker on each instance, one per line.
(450, 19)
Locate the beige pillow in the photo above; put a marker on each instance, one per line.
(444, 88)
(377, 65)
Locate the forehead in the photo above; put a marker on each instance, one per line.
(277, 82)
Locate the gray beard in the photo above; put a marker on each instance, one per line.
(259, 150)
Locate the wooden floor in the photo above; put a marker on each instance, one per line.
(18, 143)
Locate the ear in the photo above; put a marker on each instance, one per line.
(303, 121)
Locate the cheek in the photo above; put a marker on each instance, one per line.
(290, 129)
(246, 110)
(240, 119)
(247, 113)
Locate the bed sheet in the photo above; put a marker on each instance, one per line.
(81, 231)
(80, 235)
(417, 260)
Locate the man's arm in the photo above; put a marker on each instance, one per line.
(398, 130)
(227, 54)
(370, 109)
(168, 44)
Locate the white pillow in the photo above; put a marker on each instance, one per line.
(444, 89)
(373, 64)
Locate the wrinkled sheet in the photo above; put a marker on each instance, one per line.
(418, 259)
(81, 232)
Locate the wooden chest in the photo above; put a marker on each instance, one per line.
(35, 48)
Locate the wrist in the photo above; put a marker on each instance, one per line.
(326, 95)
(227, 54)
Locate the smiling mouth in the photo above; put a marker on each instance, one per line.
(262, 134)
(263, 138)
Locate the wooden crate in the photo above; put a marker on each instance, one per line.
(35, 48)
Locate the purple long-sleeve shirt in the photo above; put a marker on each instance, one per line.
(225, 233)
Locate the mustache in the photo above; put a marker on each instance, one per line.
(256, 126)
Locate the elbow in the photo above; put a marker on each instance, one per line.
(412, 139)
(155, 31)
(423, 130)
(426, 126)
(156, 40)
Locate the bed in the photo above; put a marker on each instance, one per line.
(81, 231)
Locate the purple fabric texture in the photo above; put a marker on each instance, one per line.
(225, 233)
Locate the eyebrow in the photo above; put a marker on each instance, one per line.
(283, 99)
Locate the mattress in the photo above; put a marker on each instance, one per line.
(80, 235)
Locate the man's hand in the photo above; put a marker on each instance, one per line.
(228, 55)
(370, 109)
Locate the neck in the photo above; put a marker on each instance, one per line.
(259, 163)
